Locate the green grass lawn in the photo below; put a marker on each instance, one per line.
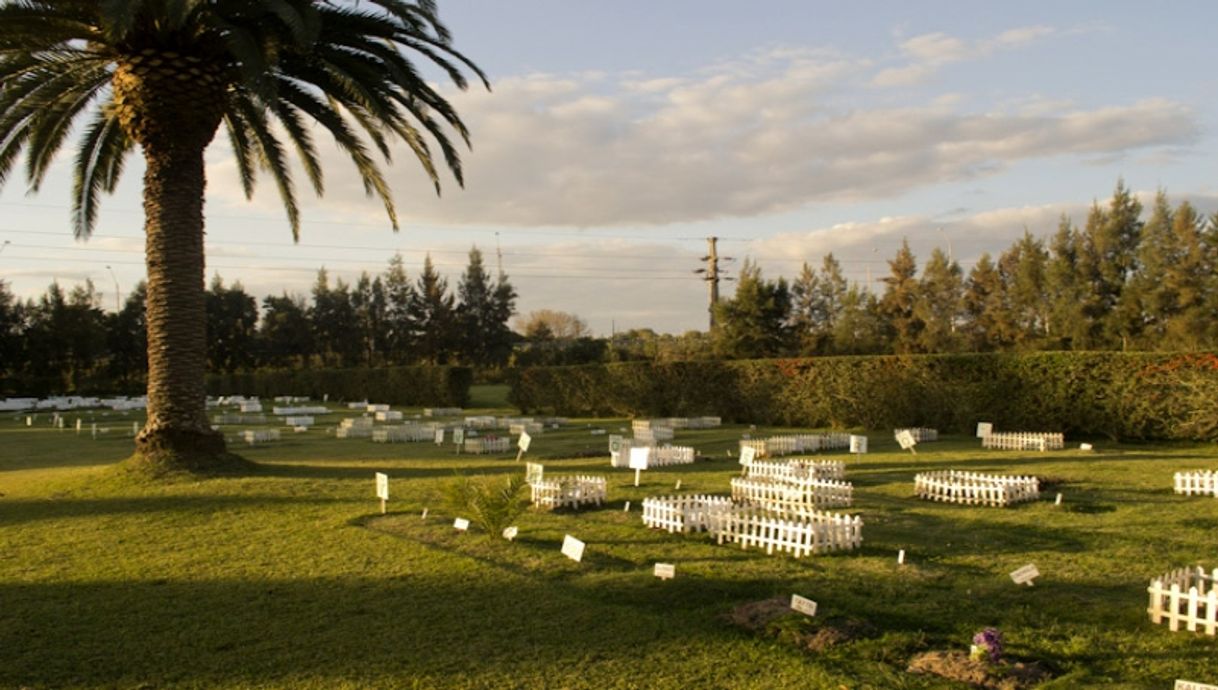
(290, 577)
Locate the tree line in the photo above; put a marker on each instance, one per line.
(381, 320)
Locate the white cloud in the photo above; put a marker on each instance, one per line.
(926, 53)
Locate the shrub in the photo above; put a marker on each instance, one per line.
(490, 504)
(416, 385)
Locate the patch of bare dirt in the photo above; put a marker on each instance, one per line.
(957, 666)
(774, 618)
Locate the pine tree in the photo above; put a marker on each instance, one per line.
(1064, 285)
(434, 316)
(983, 307)
(900, 298)
(483, 332)
(938, 305)
(807, 311)
(859, 328)
(755, 322)
(1026, 292)
(285, 333)
(232, 321)
(400, 328)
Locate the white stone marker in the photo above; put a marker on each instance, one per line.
(523, 444)
(1025, 575)
(907, 441)
(901, 557)
(79, 423)
(29, 421)
(424, 515)
(858, 444)
(1058, 500)
(135, 429)
(510, 533)
(533, 472)
(1085, 446)
(638, 461)
(573, 548)
(803, 605)
(440, 436)
(984, 429)
(461, 524)
(458, 438)
(94, 430)
(678, 486)
(382, 489)
(747, 455)
(1193, 685)
(665, 571)
(627, 508)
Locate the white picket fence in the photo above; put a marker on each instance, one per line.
(406, 433)
(683, 513)
(481, 422)
(1024, 440)
(784, 493)
(299, 420)
(570, 491)
(671, 455)
(442, 411)
(789, 444)
(920, 434)
(1197, 483)
(389, 416)
(802, 468)
(653, 434)
(299, 410)
(973, 488)
(1185, 596)
(483, 445)
(354, 427)
(531, 428)
(239, 419)
(253, 436)
(816, 533)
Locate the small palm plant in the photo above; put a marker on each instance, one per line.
(489, 504)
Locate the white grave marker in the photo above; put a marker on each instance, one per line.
(523, 444)
(29, 421)
(79, 423)
(858, 444)
(665, 571)
(1085, 446)
(510, 533)
(424, 515)
(382, 489)
(901, 557)
(440, 436)
(678, 486)
(459, 438)
(533, 472)
(573, 548)
(627, 508)
(747, 455)
(803, 605)
(1025, 575)
(1193, 685)
(461, 524)
(984, 429)
(638, 461)
(907, 441)
(1058, 500)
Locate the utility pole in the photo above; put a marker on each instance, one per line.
(711, 276)
(117, 305)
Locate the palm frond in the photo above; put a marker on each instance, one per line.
(98, 165)
(252, 116)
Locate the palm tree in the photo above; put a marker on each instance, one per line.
(164, 75)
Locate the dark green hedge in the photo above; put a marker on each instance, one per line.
(429, 386)
(1119, 395)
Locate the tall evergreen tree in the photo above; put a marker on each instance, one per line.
(939, 305)
(859, 328)
(400, 328)
(232, 326)
(371, 307)
(285, 332)
(1064, 286)
(434, 316)
(755, 321)
(985, 314)
(128, 338)
(900, 298)
(1026, 292)
(483, 330)
(807, 311)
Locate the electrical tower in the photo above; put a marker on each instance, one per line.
(712, 275)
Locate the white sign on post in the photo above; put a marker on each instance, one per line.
(858, 444)
(510, 533)
(615, 443)
(459, 437)
(747, 455)
(984, 429)
(1025, 575)
(573, 548)
(382, 486)
(803, 605)
(461, 524)
(907, 441)
(29, 421)
(533, 472)
(440, 436)
(523, 444)
(638, 461)
(1192, 685)
(79, 423)
(665, 571)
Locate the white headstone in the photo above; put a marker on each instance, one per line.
(573, 548)
(29, 421)
(524, 441)
(901, 557)
(858, 444)
(79, 423)
(984, 429)
(1085, 446)
(906, 439)
(510, 533)
(533, 472)
(382, 486)
(424, 515)
(1025, 575)
(1058, 501)
(665, 571)
(678, 486)
(461, 524)
(627, 508)
(803, 605)
(440, 436)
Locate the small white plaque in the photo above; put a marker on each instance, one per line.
(1057, 501)
(382, 486)
(666, 571)
(1025, 575)
(639, 458)
(1085, 446)
(459, 436)
(524, 441)
(901, 557)
(615, 443)
(461, 524)
(858, 444)
(573, 548)
(440, 436)
(803, 605)
(747, 454)
(984, 429)
(424, 515)
(1193, 685)
(510, 533)
(627, 508)
(533, 472)
(906, 439)
(678, 486)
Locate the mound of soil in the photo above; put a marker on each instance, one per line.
(957, 665)
(774, 618)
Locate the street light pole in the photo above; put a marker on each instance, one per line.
(117, 307)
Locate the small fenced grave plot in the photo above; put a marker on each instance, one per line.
(484, 445)
(1188, 597)
(299, 420)
(789, 444)
(1197, 483)
(654, 434)
(254, 436)
(568, 492)
(354, 427)
(728, 521)
(799, 468)
(973, 488)
(919, 434)
(239, 419)
(683, 513)
(530, 428)
(442, 411)
(389, 416)
(406, 433)
(1023, 440)
(481, 422)
(782, 493)
(299, 410)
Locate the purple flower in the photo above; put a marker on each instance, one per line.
(990, 640)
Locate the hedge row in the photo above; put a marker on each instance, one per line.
(429, 386)
(1118, 395)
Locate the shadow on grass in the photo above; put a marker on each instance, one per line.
(19, 511)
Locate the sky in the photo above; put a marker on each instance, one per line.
(617, 137)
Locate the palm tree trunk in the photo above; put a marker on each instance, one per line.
(177, 435)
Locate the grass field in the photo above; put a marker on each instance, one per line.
(290, 577)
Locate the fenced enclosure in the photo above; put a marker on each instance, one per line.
(974, 488)
(750, 526)
(1197, 483)
(799, 468)
(783, 493)
(1185, 597)
(1023, 440)
(568, 492)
